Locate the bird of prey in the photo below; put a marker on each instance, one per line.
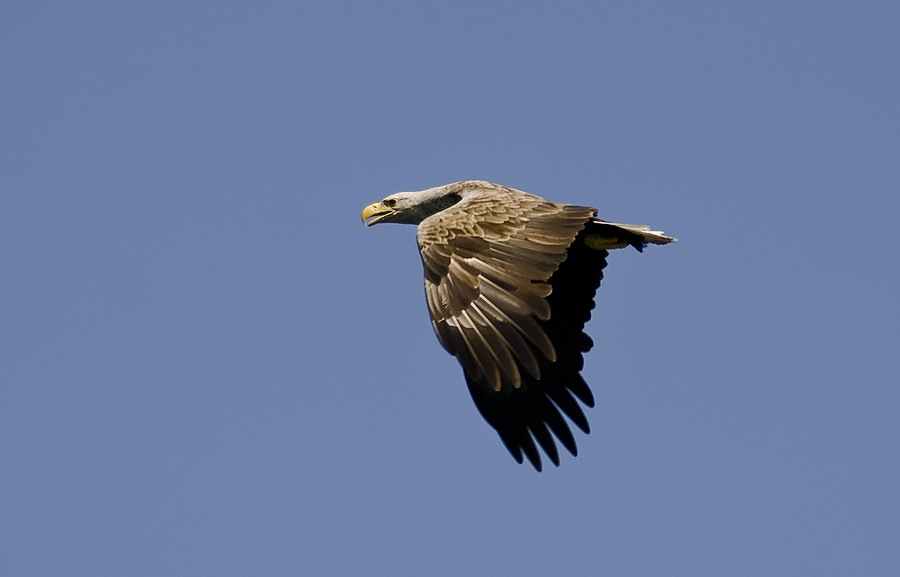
(510, 280)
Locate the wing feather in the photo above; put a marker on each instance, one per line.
(512, 331)
(495, 338)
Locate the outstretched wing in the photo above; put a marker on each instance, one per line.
(504, 301)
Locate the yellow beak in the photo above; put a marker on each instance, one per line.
(377, 210)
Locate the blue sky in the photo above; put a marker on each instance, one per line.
(210, 367)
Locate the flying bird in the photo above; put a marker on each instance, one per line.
(510, 280)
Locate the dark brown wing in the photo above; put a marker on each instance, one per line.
(509, 290)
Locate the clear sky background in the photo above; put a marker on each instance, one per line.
(208, 366)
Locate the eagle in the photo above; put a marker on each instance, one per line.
(510, 280)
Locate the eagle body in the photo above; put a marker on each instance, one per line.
(510, 280)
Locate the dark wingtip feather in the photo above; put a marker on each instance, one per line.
(540, 432)
(580, 389)
(531, 452)
(558, 425)
(569, 406)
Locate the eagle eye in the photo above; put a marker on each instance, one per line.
(389, 202)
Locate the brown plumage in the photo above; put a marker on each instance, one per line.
(510, 280)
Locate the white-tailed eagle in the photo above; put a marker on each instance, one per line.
(510, 280)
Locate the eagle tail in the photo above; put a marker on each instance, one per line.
(602, 235)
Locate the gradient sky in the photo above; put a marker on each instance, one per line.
(208, 366)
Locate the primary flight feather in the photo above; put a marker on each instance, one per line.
(510, 280)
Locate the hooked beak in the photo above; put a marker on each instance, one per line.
(376, 212)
